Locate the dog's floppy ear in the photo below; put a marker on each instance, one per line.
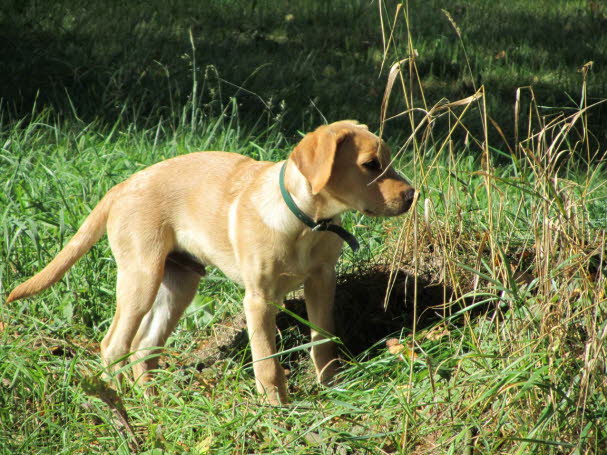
(315, 154)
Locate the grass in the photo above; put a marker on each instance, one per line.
(495, 324)
(510, 364)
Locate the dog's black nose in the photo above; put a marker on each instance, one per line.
(407, 197)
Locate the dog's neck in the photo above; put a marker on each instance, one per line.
(316, 206)
(275, 213)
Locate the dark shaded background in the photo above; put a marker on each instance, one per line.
(291, 62)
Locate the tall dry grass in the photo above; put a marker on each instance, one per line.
(519, 236)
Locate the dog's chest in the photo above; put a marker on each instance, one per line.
(312, 251)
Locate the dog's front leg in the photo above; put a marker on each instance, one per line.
(261, 325)
(319, 292)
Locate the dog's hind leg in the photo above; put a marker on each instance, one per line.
(140, 259)
(177, 290)
(136, 290)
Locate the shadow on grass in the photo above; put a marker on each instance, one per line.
(288, 61)
(95, 60)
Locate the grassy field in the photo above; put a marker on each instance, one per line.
(475, 324)
(295, 63)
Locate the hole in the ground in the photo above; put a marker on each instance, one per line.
(361, 317)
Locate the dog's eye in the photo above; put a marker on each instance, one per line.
(372, 165)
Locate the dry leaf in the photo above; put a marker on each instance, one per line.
(396, 349)
(437, 333)
(204, 446)
(392, 342)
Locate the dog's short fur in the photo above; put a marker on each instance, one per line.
(166, 222)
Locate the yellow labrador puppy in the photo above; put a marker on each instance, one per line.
(268, 226)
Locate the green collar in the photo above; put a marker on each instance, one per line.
(321, 225)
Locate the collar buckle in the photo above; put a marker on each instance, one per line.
(322, 225)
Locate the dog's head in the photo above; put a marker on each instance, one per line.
(352, 165)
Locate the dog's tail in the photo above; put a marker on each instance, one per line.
(89, 233)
